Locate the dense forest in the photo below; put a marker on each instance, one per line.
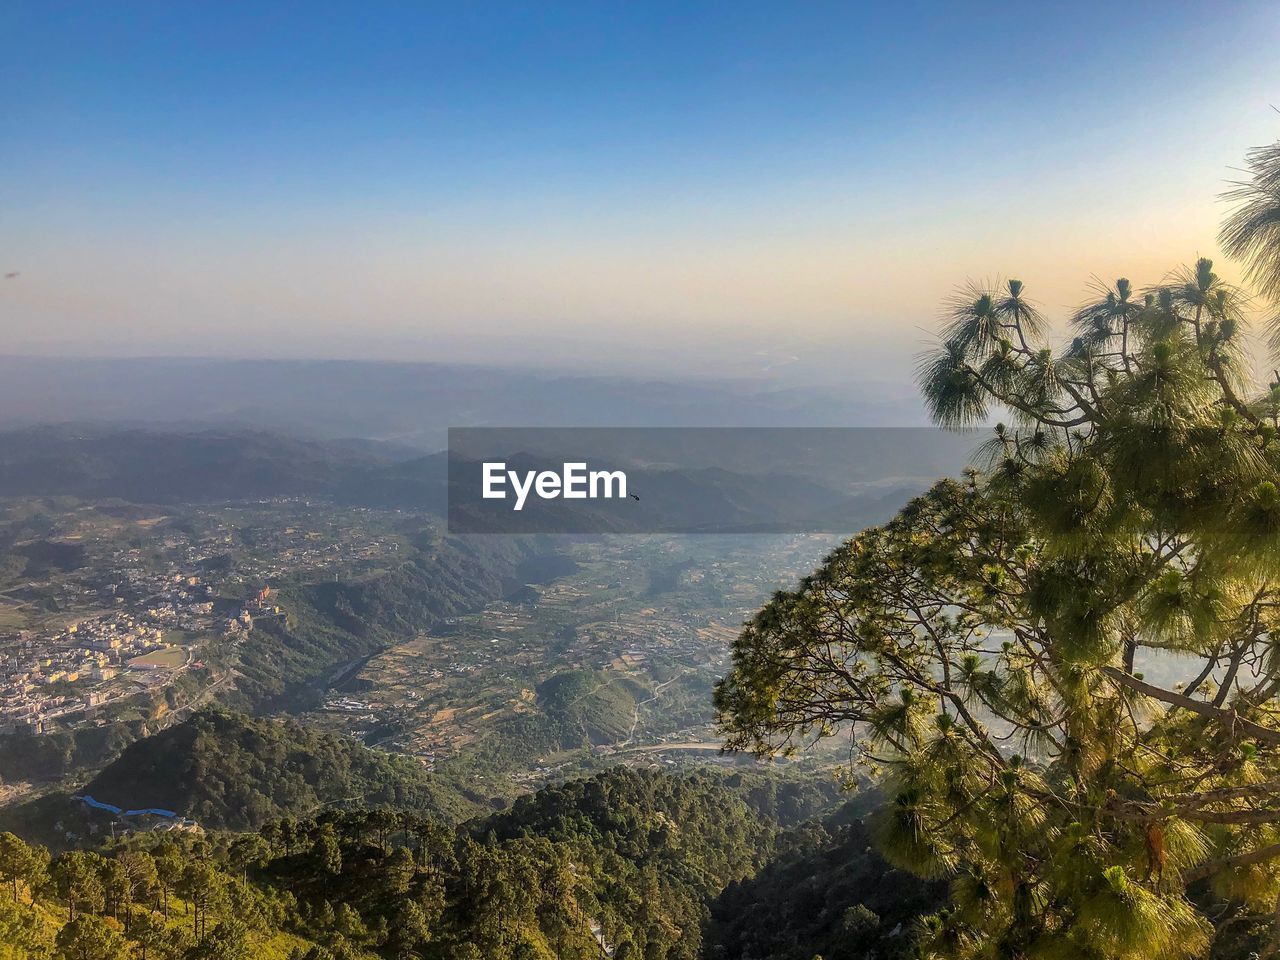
(229, 771)
(626, 864)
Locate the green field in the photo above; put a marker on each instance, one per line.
(171, 659)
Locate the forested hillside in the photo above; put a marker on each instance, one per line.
(626, 863)
(333, 622)
(229, 771)
(587, 706)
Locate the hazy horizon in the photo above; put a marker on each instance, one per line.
(804, 362)
(413, 403)
(710, 190)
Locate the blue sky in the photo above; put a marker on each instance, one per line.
(431, 179)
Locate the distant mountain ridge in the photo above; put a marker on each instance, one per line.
(152, 466)
(769, 493)
(413, 403)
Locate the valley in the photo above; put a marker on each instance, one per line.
(500, 664)
(602, 664)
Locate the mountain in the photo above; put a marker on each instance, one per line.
(230, 771)
(588, 706)
(686, 481)
(412, 403)
(334, 623)
(149, 466)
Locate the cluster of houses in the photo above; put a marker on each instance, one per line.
(49, 676)
(53, 676)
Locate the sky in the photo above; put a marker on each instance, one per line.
(693, 186)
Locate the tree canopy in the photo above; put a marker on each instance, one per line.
(628, 861)
(1066, 661)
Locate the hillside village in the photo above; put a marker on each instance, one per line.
(107, 611)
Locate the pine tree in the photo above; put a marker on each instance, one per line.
(89, 938)
(990, 647)
(21, 864)
(78, 878)
(1252, 232)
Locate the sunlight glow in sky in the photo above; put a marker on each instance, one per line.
(484, 181)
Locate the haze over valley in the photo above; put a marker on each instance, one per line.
(653, 481)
